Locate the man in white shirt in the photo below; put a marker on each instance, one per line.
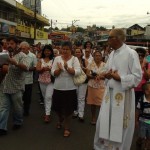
(25, 48)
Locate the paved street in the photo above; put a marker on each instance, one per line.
(36, 135)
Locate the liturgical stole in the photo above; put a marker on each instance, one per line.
(112, 115)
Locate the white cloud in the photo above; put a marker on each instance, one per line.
(121, 13)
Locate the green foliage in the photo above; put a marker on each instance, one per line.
(56, 28)
(102, 28)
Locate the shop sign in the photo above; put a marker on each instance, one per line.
(4, 28)
(26, 35)
(18, 33)
(39, 34)
(12, 30)
(7, 29)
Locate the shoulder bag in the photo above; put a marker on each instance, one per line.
(79, 79)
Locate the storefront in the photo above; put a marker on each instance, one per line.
(7, 29)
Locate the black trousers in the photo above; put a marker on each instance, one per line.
(27, 97)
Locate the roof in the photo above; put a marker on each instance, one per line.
(136, 26)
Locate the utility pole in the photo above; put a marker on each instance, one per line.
(51, 25)
(34, 19)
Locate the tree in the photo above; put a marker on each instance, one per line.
(102, 28)
(56, 28)
(80, 29)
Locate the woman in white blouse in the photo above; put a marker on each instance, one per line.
(65, 95)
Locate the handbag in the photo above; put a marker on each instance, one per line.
(79, 79)
(44, 77)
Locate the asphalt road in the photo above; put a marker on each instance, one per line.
(36, 135)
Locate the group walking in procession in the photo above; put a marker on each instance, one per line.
(113, 80)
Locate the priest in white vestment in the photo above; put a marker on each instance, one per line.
(115, 124)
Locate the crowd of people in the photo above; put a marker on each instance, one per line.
(116, 84)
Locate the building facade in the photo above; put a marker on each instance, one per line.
(18, 20)
(8, 22)
(31, 5)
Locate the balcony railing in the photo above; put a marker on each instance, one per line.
(8, 16)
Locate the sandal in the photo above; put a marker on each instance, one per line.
(47, 118)
(59, 125)
(67, 133)
(93, 123)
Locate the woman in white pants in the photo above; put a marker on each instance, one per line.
(81, 89)
(44, 66)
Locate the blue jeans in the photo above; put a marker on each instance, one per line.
(6, 102)
(144, 130)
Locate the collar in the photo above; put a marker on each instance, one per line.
(120, 48)
(145, 100)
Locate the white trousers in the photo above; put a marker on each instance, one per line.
(81, 93)
(47, 92)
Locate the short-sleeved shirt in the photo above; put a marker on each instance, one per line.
(92, 82)
(65, 80)
(32, 60)
(14, 80)
(144, 106)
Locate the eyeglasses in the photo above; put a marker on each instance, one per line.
(110, 37)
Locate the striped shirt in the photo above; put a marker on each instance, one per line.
(144, 106)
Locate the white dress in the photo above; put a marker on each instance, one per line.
(115, 124)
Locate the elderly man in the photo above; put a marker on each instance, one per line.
(25, 47)
(115, 124)
(13, 87)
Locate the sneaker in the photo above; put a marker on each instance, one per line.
(3, 132)
(47, 118)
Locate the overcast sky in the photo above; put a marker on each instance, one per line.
(121, 13)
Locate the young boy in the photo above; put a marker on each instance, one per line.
(143, 119)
